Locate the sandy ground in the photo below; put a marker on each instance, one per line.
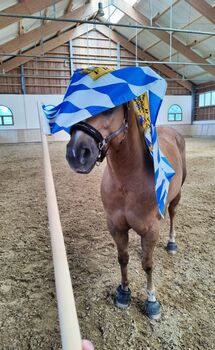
(185, 282)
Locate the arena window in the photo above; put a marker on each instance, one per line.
(6, 116)
(175, 113)
(207, 99)
(50, 107)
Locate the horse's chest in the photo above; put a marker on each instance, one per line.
(129, 207)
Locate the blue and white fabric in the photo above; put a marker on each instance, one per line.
(163, 172)
(86, 97)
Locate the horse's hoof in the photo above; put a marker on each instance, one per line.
(152, 309)
(122, 298)
(172, 248)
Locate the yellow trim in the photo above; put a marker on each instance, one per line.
(97, 72)
(141, 106)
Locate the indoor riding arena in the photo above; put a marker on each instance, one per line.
(42, 44)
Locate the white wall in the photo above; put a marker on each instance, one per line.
(185, 102)
(203, 129)
(185, 126)
(26, 122)
(17, 106)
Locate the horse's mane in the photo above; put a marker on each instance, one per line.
(142, 135)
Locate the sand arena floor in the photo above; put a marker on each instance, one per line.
(185, 282)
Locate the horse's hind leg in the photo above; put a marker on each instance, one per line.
(123, 293)
(171, 245)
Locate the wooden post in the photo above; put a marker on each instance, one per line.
(71, 57)
(23, 79)
(70, 332)
(193, 109)
(118, 54)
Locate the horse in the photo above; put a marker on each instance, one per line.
(128, 186)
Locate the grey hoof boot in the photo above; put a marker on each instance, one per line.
(152, 309)
(172, 248)
(122, 298)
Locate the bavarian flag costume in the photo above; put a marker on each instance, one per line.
(94, 90)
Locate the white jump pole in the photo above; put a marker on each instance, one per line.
(70, 332)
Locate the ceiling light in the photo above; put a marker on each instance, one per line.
(100, 12)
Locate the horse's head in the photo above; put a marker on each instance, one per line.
(90, 139)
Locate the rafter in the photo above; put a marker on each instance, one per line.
(152, 45)
(25, 8)
(203, 38)
(208, 84)
(69, 6)
(168, 57)
(165, 11)
(194, 76)
(193, 43)
(45, 14)
(46, 30)
(67, 10)
(204, 8)
(156, 17)
(47, 46)
(21, 27)
(80, 30)
(164, 36)
(118, 38)
(208, 56)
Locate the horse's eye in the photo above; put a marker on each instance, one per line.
(108, 111)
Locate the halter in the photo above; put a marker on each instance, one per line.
(102, 142)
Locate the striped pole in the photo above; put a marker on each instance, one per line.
(69, 327)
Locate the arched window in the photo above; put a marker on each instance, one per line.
(6, 116)
(49, 107)
(174, 113)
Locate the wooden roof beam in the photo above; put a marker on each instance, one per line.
(45, 15)
(47, 46)
(67, 10)
(208, 84)
(69, 6)
(193, 43)
(118, 38)
(21, 27)
(194, 76)
(78, 31)
(164, 36)
(203, 38)
(24, 8)
(204, 8)
(47, 29)
(208, 56)
(163, 12)
(156, 17)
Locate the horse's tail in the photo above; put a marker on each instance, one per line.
(182, 148)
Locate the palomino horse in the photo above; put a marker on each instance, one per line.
(128, 188)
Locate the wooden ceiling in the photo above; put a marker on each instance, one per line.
(20, 36)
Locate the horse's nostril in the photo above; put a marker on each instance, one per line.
(84, 155)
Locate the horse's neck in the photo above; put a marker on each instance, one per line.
(131, 157)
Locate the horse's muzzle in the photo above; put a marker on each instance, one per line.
(82, 152)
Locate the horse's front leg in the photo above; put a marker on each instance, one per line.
(123, 293)
(149, 238)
